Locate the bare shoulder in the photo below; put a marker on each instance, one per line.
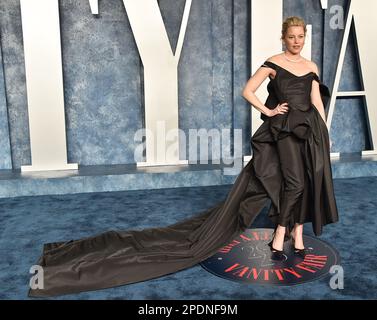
(275, 58)
(312, 66)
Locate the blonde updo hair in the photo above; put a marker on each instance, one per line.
(290, 22)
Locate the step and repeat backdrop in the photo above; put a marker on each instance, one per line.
(117, 82)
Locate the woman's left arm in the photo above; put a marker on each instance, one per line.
(316, 98)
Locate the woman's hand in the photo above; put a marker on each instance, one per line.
(280, 109)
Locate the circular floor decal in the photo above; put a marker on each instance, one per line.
(248, 259)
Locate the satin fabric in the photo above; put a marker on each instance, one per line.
(292, 165)
(116, 258)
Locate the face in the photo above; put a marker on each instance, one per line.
(295, 39)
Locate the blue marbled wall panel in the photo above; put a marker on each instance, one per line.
(5, 154)
(102, 83)
(210, 89)
(14, 75)
(103, 75)
(171, 12)
(332, 43)
(241, 70)
(222, 72)
(350, 76)
(349, 124)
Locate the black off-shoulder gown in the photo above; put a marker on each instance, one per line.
(116, 258)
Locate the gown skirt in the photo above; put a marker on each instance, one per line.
(298, 140)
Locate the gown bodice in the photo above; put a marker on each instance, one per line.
(296, 91)
(293, 89)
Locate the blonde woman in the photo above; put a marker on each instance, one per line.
(295, 123)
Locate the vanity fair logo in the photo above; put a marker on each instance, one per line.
(248, 259)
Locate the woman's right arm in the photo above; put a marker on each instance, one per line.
(249, 93)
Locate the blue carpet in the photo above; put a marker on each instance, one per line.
(29, 222)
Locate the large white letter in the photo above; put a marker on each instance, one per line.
(363, 15)
(160, 74)
(44, 84)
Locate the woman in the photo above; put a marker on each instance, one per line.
(297, 86)
(290, 166)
